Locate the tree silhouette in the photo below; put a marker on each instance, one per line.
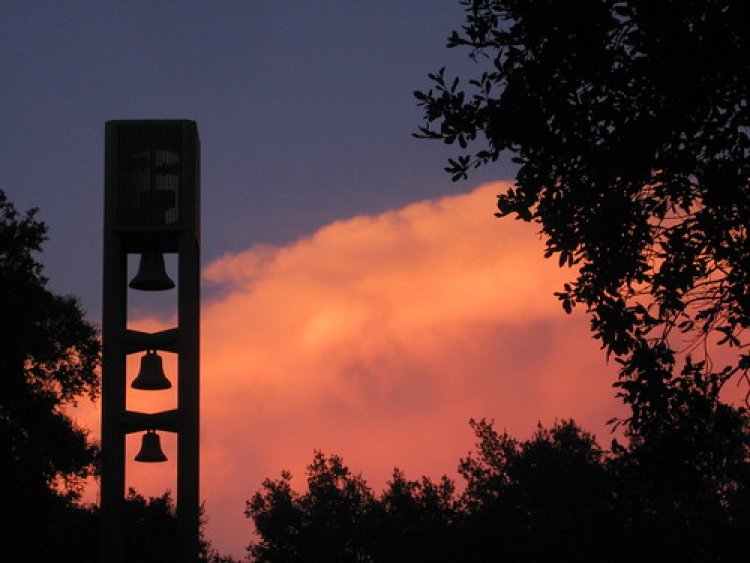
(48, 357)
(331, 522)
(676, 494)
(682, 488)
(339, 519)
(150, 528)
(416, 520)
(151, 533)
(548, 497)
(629, 122)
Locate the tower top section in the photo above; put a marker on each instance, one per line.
(152, 181)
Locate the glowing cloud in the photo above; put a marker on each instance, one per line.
(377, 338)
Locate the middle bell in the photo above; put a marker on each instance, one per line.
(151, 451)
(151, 375)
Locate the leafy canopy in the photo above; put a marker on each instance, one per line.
(629, 122)
(48, 358)
(680, 495)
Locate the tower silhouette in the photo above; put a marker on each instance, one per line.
(152, 179)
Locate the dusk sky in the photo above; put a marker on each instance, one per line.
(355, 300)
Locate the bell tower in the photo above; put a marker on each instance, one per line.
(151, 208)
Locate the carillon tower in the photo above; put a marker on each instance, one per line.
(152, 179)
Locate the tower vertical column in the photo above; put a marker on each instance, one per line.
(113, 399)
(188, 440)
(188, 503)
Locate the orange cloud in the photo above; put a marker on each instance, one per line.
(377, 338)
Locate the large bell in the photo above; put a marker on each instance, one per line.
(152, 275)
(151, 375)
(151, 448)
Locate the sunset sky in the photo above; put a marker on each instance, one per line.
(354, 300)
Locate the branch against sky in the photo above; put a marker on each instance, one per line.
(629, 120)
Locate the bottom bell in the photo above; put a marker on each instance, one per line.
(151, 448)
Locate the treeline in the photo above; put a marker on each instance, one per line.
(678, 493)
(57, 528)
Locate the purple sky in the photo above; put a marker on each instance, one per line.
(304, 109)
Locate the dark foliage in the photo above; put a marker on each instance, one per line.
(527, 501)
(679, 495)
(629, 122)
(415, 520)
(329, 523)
(48, 357)
(150, 528)
(151, 531)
